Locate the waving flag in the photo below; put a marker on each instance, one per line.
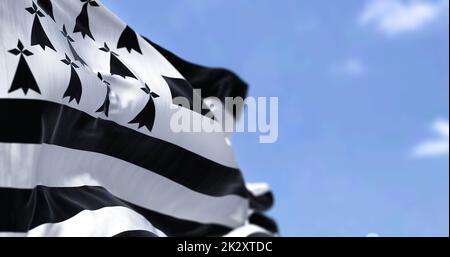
(86, 147)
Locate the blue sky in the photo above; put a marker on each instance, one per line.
(363, 89)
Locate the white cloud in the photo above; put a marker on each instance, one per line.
(372, 235)
(435, 147)
(352, 67)
(396, 16)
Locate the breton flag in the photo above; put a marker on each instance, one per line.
(86, 147)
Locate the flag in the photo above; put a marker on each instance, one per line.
(86, 147)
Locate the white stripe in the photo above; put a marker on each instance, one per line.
(258, 189)
(108, 221)
(247, 230)
(29, 165)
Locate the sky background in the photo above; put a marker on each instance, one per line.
(363, 91)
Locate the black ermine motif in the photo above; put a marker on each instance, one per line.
(70, 40)
(146, 116)
(23, 78)
(115, 64)
(182, 88)
(38, 35)
(129, 40)
(74, 89)
(82, 20)
(105, 106)
(47, 6)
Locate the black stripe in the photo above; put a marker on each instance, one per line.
(261, 202)
(259, 234)
(263, 221)
(38, 121)
(25, 209)
(136, 233)
(215, 82)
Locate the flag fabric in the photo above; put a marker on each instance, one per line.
(86, 147)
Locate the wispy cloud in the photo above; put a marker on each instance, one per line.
(352, 67)
(393, 17)
(437, 146)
